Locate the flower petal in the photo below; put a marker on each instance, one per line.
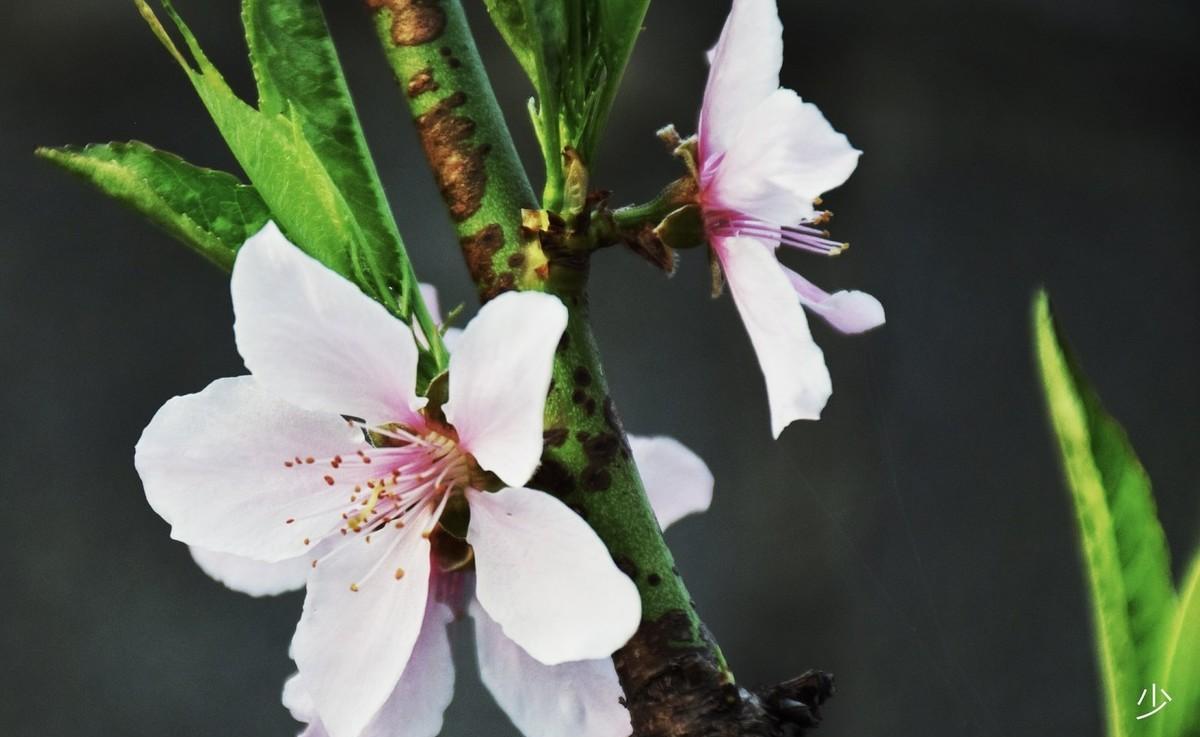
(213, 466)
(429, 294)
(251, 576)
(793, 157)
(848, 311)
(547, 579)
(420, 697)
(313, 338)
(798, 383)
(499, 375)
(365, 607)
(745, 70)
(677, 481)
(576, 699)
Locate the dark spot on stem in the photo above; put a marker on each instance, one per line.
(590, 406)
(414, 22)
(654, 579)
(582, 376)
(555, 436)
(554, 478)
(595, 478)
(579, 396)
(422, 82)
(517, 260)
(601, 449)
(458, 164)
(478, 250)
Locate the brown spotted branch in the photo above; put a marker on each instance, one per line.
(675, 679)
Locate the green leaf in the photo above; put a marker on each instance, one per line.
(1179, 673)
(1124, 549)
(297, 71)
(210, 211)
(574, 52)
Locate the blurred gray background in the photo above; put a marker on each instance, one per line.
(917, 541)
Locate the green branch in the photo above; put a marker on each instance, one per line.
(675, 678)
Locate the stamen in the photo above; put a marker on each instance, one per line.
(803, 236)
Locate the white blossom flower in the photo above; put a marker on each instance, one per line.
(576, 699)
(765, 157)
(326, 461)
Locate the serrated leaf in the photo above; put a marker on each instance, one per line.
(1124, 549)
(1179, 673)
(297, 71)
(281, 162)
(210, 211)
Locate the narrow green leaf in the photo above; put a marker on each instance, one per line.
(297, 71)
(210, 211)
(1124, 549)
(1179, 673)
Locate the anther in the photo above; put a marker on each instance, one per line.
(354, 587)
(329, 480)
(399, 573)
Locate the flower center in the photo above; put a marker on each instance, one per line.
(405, 472)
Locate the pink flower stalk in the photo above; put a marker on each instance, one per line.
(324, 468)
(765, 157)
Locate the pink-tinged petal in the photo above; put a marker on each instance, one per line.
(793, 157)
(364, 610)
(847, 311)
(253, 577)
(313, 338)
(220, 467)
(547, 579)
(576, 699)
(798, 383)
(499, 374)
(677, 480)
(745, 70)
(420, 697)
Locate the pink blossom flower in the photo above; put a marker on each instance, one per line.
(271, 479)
(765, 157)
(576, 699)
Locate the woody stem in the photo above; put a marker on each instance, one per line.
(675, 679)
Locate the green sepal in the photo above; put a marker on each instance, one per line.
(210, 211)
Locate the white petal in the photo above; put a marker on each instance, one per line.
(427, 686)
(451, 337)
(576, 699)
(360, 623)
(547, 579)
(847, 311)
(798, 383)
(677, 481)
(499, 375)
(212, 465)
(745, 69)
(313, 338)
(253, 577)
(420, 697)
(793, 157)
(429, 294)
(297, 700)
